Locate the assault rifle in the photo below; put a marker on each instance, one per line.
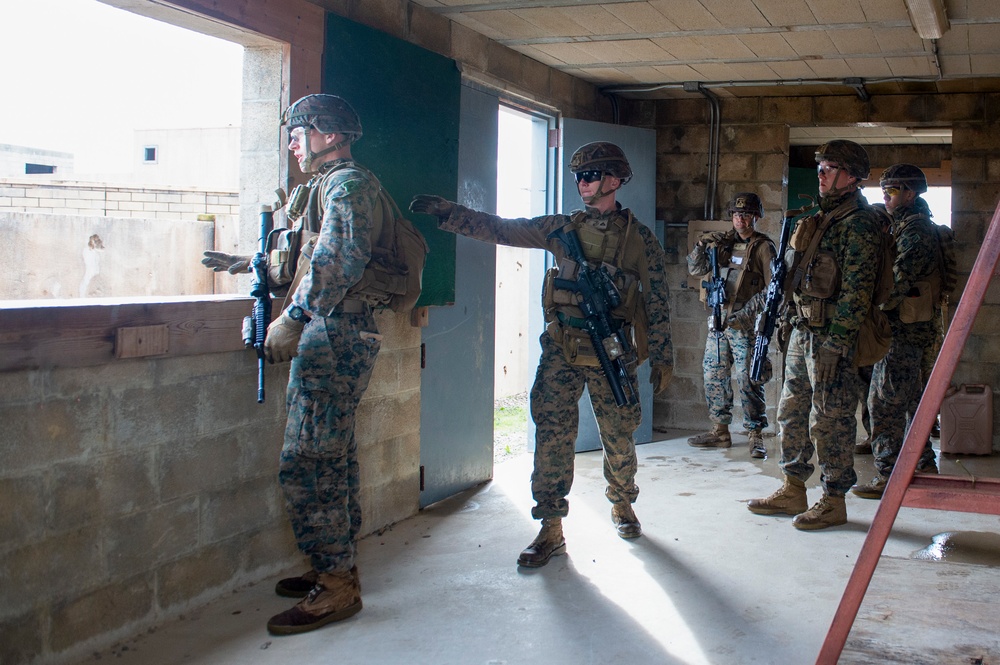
(767, 319)
(255, 325)
(715, 297)
(598, 296)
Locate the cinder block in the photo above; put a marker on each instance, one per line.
(21, 637)
(840, 109)
(429, 29)
(28, 570)
(42, 433)
(736, 166)
(741, 110)
(273, 548)
(468, 47)
(198, 574)
(240, 509)
(112, 607)
(73, 495)
(189, 466)
(134, 543)
(789, 110)
(141, 417)
(504, 63)
(23, 518)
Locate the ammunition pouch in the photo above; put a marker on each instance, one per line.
(920, 307)
(284, 256)
(874, 339)
(817, 313)
(822, 276)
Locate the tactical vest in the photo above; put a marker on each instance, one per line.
(618, 248)
(290, 250)
(744, 279)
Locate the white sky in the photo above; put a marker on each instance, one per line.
(79, 76)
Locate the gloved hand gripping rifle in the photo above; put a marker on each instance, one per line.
(598, 296)
(767, 319)
(715, 297)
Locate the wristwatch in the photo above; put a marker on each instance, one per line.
(296, 313)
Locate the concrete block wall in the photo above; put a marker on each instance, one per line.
(41, 194)
(138, 489)
(754, 157)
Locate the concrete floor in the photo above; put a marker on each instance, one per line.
(708, 583)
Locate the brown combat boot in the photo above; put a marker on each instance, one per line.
(625, 521)
(548, 543)
(828, 511)
(789, 500)
(718, 438)
(299, 587)
(335, 597)
(757, 449)
(872, 490)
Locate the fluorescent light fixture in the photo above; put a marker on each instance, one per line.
(928, 17)
(929, 131)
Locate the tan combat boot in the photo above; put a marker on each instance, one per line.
(718, 438)
(872, 490)
(828, 511)
(299, 587)
(625, 521)
(335, 597)
(757, 449)
(548, 543)
(789, 500)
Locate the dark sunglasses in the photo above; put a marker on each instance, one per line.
(589, 176)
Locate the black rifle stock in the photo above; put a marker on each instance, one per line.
(715, 297)
(767, 319)
(598, 297)
(255, 325)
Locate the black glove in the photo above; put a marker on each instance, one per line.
(428, 204)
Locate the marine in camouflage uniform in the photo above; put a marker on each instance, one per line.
(819, 398)
(331, 338)
(611, 235)
(897, 381)
(745, 257)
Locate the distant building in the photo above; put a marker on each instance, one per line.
(204, 157)
(17, 160)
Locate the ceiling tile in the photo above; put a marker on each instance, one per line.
(830, 68)
(899, 40)
(920, 66)
(811, 42)
(860, 40)
(642, 17)
(869, 67)
(956, 65)
(769, 45)
(791, 69)
(552, 23)
(841, 11)
(881, 10)
(711, 71)
(736, 13)
(568, 53)
(599, 20)
(677, 73)
(683, 48)
(786, 12)
(986, 65)
(507, 24)
(686, 14)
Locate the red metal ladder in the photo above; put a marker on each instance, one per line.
(954, 493)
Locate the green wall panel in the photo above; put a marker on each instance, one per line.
(409, 102)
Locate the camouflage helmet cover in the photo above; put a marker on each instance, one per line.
(329, 114)
(746, 202)
(907, 176)
(848, 154)
(601, 156)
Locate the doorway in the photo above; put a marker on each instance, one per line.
(523, 190)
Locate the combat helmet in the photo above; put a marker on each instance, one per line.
(850, 155)
(906, 176)
(327, 113)
(746, 202)
(601, 156)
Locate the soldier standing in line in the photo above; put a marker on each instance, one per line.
(897, 382)
(744, 255)
(614, 240)
(831, 300)
(329, 333)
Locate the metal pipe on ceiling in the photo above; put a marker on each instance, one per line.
(774, 83)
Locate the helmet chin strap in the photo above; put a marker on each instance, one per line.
(307, 163)
(598, 195)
